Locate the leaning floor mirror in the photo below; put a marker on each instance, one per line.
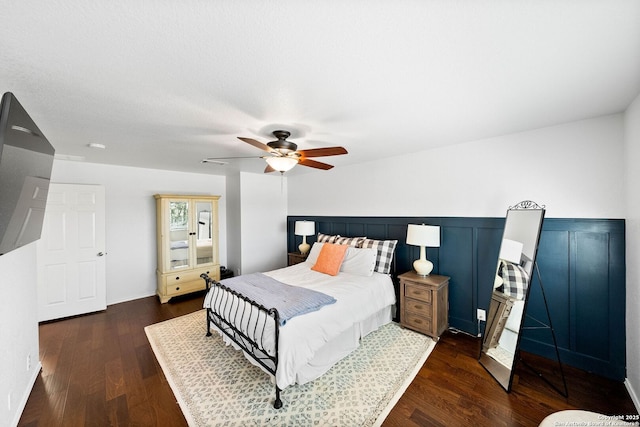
(515, 267)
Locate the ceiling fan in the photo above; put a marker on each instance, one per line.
(284, 155)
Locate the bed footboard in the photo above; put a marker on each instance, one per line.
(247, 323)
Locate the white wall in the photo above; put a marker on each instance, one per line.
(264, 222)
(18, 331)
(256, 226)
(575, 169)
(131, 218)
(234, 226)
(632, 158)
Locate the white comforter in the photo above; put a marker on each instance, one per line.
(357, 298)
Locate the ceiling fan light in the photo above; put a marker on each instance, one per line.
(282, 164)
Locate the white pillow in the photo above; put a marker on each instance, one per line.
(359, 261)
(315, 251)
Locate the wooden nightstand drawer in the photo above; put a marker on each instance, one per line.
(419, 323)
(417, 291)
(500, 308)
(424, 303)
(418, 307)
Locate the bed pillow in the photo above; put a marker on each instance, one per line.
(515, 280)
(356, 242)
(326, 238)
(384, 253)
(359, 261)
(330, 259)
(314, 252)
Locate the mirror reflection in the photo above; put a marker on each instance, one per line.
(514, 271)
(186, 236)
(204, 247)
(179, 233)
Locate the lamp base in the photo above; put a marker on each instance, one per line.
(423, 267)
(304, 248)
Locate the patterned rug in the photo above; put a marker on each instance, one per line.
(216, 386)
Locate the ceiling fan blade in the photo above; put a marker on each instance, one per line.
(314, 164)
(257, 144)
(269, 169)
(321, 152)
(231, 158)
(215, 161)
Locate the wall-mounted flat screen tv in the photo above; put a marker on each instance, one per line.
(26, 159)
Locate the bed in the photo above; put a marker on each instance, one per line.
(301, 348)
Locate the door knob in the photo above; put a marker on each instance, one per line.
(100, 254)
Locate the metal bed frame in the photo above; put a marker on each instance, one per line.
(251, 341)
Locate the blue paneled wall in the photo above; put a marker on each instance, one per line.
(581, 262)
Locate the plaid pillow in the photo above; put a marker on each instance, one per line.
(356, 242)
(385, 250)
(515, 280)
(326, 238)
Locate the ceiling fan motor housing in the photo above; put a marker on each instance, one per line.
(282, 144)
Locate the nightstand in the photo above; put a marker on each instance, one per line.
(499, 310)
(424, 303)
(296, 258)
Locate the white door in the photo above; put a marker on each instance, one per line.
(71, 252)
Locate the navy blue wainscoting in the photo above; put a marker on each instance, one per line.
(582, 267)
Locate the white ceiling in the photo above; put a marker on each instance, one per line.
(163, 84)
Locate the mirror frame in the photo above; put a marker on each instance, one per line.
(501, 303)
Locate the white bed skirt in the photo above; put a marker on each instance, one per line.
(333, 351)
(341, 346)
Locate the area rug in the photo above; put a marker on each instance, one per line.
(216, 386)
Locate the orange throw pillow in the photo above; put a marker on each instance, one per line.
(330, 259)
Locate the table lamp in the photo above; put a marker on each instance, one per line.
(423, 236)
(304, 229)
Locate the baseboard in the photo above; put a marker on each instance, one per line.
(27, 393)
(633, 394)
(132, 297)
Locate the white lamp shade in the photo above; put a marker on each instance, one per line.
(423, 235)
(281, 164)
(511, 251)
(305, 228)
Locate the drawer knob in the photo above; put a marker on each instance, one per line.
(177, 288)
(178, 278)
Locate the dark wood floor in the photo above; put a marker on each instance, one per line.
(99, 370)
